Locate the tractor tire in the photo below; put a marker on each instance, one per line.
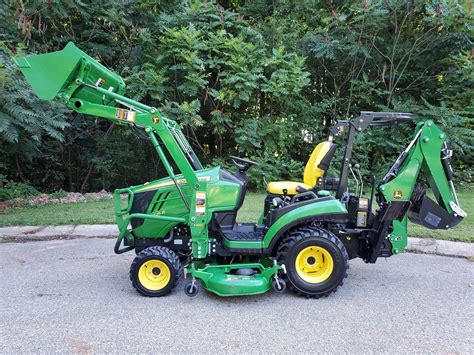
(155, 271)
(316, 261)
(139, 250)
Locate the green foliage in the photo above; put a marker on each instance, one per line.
(24, 119)
(398, 56)
(242, 78)
(11, 189)
(213, 72)
(58, 194)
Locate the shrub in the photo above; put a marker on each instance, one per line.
(58, 194)
(12, 189)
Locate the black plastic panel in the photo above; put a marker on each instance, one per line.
(140, 204)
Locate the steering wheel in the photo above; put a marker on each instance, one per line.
(242, 164)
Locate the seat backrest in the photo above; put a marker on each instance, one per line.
(312, 172)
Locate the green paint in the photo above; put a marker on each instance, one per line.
(315, 209)
(60, 67)
(323, 193)
(192, 194)
(220, 279)
(399, 237)
(423, 158)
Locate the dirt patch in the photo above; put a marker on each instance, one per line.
(27, 238)
(45, 199)
(33, 231)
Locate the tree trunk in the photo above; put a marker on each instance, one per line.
(69, 170)
(18, 167)
(83, 186)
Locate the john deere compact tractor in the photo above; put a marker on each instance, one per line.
(309, 229)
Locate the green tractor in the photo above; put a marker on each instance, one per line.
(309, 229)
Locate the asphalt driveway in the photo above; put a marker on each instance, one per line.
(75, 296)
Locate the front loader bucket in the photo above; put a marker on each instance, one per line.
(53, 75)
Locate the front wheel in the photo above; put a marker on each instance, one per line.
(155, 271)
(316, 261)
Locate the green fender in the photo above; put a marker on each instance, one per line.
(324, 209)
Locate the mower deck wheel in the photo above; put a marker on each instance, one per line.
(155, 271)
(192, 288)
(279, 286)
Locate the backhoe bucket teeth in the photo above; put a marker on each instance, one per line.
(55, 73)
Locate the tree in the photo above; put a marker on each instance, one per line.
(24, 119)
(241, 77)
(212, 72)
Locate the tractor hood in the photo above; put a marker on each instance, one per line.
(208, 175)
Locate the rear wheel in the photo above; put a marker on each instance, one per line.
(155, 271)
(316, 261)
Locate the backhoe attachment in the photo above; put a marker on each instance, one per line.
(401, 195)
(426, 157)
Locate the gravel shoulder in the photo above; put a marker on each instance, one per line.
(75, 296)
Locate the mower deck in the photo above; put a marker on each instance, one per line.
(236, 279)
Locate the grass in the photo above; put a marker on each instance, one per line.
(93, 212)
(101, 212)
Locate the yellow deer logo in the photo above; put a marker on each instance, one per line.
(397, 194)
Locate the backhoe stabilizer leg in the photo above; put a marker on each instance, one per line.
(399, 235)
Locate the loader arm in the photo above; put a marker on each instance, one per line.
(89, 88)
(76, 79)
(426, 156)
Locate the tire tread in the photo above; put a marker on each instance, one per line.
(299, 234)
(163, 252)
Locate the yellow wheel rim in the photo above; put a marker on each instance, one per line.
(154, 275)
(314, 264)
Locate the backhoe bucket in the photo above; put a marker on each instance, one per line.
(57, 75)
(430, 214)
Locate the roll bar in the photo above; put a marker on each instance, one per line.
(358, 125)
